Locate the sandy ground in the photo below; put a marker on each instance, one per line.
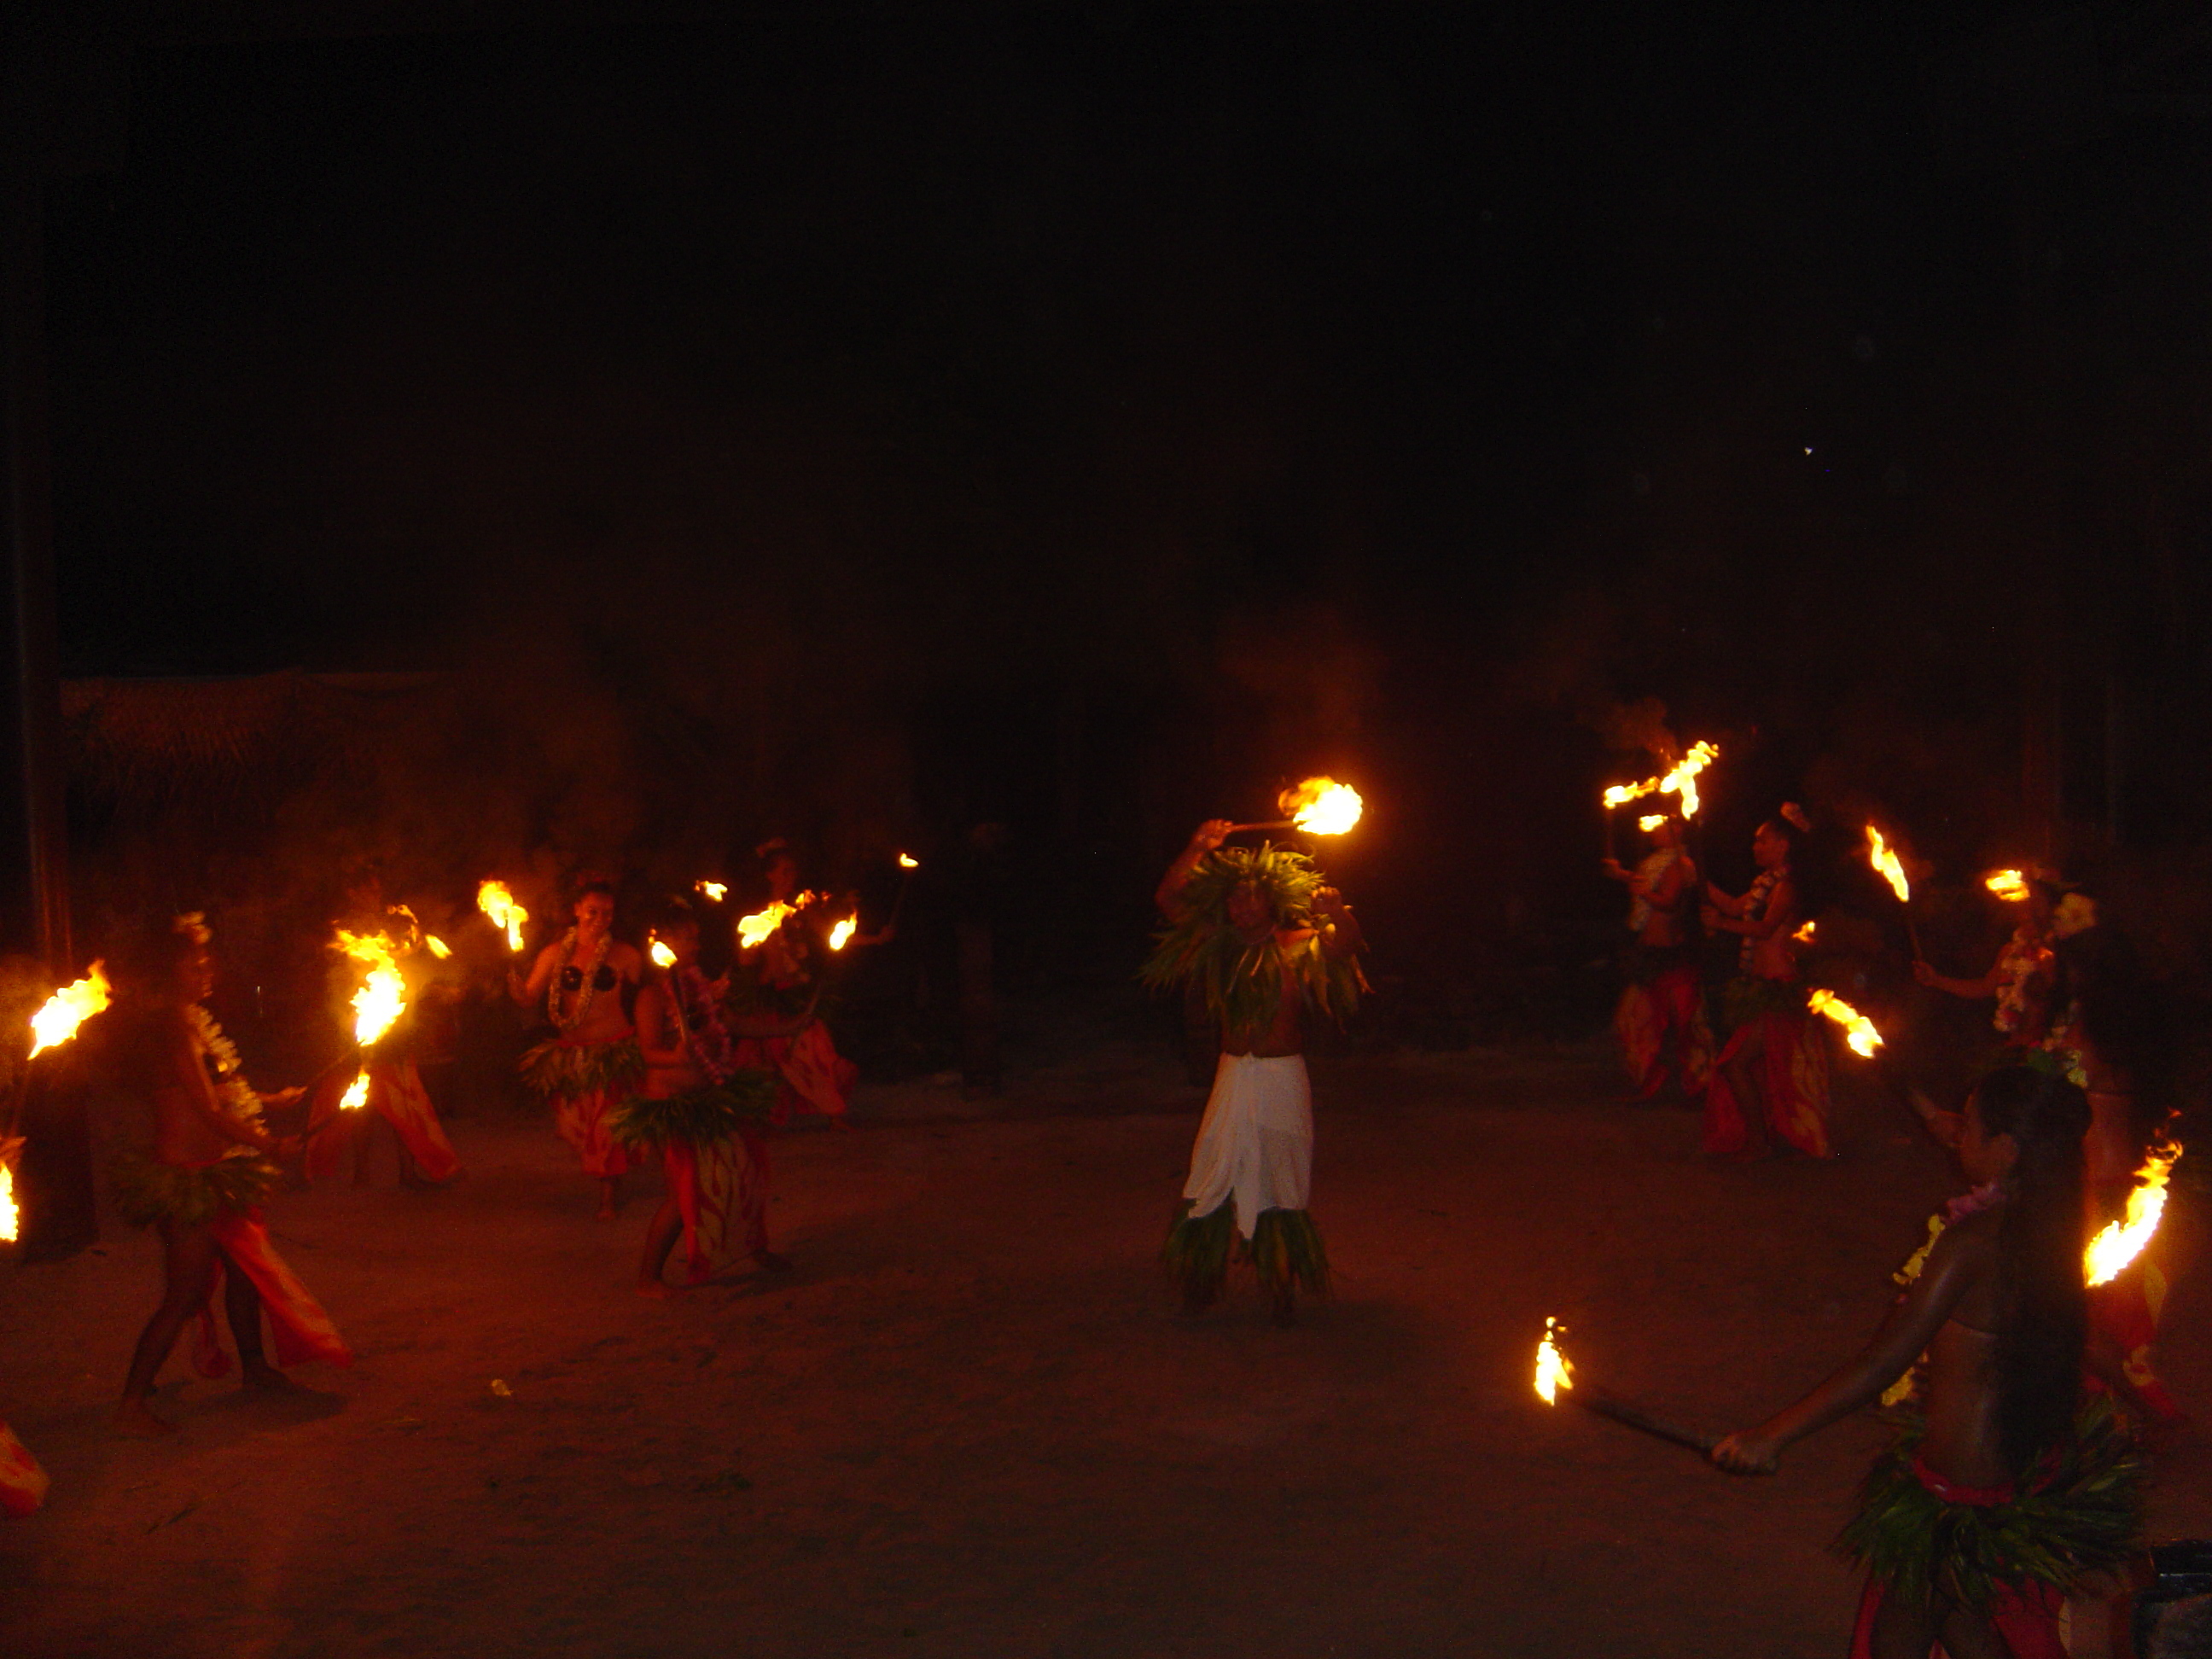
(970, 1424)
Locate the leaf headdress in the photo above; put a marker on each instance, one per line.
(1240, 980)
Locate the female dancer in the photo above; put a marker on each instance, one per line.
(2020, 978)
(775, 980)
(2003, 1493)
(1662, 999)
(1772, 1074)
(585, 978)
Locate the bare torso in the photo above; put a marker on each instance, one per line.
(165, 1064)
(1285, 1034)
(670, 1069)
(605, 1019)
(1960, 1391)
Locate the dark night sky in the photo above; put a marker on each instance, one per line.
(1395, 379)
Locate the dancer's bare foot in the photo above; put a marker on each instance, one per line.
(133, 1421)
(660, 1289)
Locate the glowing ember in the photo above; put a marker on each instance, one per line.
(661, 954)
(496, 903)
(1553, 1371)
(8, 1214)
(716, 891)
(2122, 1241)
(356, 1094)
(1322, 807)
(1883, 857)
(2010, 885)
(68, 1008)
(1682, 780)
(383, 997)
(1651, 821)
(1858, 1030)
(907, 863)
(439, 948)
(1804, 935)
(843, 932)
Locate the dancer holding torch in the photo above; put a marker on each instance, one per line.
(2005, 1492)
(1663, 1000)
(203, 1186)
(593, 1062)
(1268, 942)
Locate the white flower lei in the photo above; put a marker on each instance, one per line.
(236, 1095)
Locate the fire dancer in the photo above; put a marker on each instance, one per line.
(2021, 977)
(1265, 942)
(593, 1062)
(1661, 1008)
(203, 1187)
(2111, 1029)
(706, 1112)
(776, 978)
(2005, 1492)
(1772, 1073)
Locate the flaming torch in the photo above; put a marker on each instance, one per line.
(2010, 885)
(1858, 1030)
(1883, 857)
(909, 863)
(54, 1023)
(841, 934)
(496, 903)
(758, 928)
(2122, 1241)
(57, 1021)
(378, 1003)
(1319, 806)
(1679, 781)
(714, 892)
(1554, 1373)
(662, 955)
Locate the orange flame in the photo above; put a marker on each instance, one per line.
(356, 1094)
(1651, 821)
(1322, 807)
(909, 863)
(1804, 935)
(1884, 858)
(2122, 1241)
(661, 954)
(56, 1023)
(716, 891)
(1858, 1030)
(1553, 1371)
(841, 934)
(759, 927)
(438, 947)
(1681, 781)
(383, 996)
(2010, 885)
(496, 903)
(9, 1217)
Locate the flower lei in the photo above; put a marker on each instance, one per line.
(1957, 1209)
(236, 1095)
(587, 991)
(710, 1045)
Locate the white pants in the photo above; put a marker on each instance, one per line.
(1256, 1142)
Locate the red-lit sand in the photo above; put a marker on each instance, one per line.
(971, 1426)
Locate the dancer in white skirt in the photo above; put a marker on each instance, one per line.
(1266, 942)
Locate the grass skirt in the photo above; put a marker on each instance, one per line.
(1286, 1249)
(704, 1116)
(554, 1068)
(2081, 1513)
(148, 1191)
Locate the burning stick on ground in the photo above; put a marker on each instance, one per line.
(1554, 1372)
(1319, 806)
(1886, 865)
(497, 903)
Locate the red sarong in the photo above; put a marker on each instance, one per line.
(720, 1190)
(2025, 1614)
(1793, 1086)
(22, 1482)
(1648, 1014)
(2126, 1309)
(301, 1329)
(582, 1121)
(815, 1076)
(396, 1094)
